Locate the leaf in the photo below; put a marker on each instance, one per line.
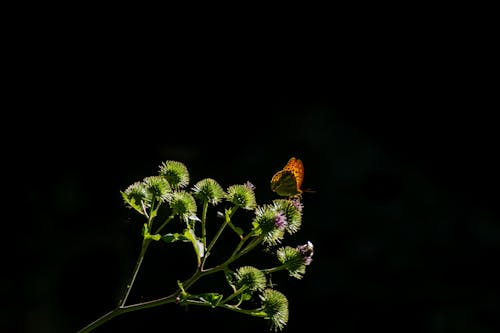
(131, 202)
(198, 246)
(147, 235)
(170, 238)
(236, 229)
(212, 298)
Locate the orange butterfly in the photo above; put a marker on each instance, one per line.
(288, 181)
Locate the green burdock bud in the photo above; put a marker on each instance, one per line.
(250, 278)
(183, 204)
(270, 222)
(157, 187)
(292, 213)
(208, 190)
(242, 196)
(176, 173)
(136, 197)
(275, 305)
(293, 260)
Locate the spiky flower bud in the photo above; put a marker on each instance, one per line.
(136, 196)
(157, 187)
(275, 305)
(280, 221)
(296, 258)
(269, 222)
(291, 212)
(242, 196)
(250, 277)
(293, 260)
(183, 204)
(208, 190)
(175, 173)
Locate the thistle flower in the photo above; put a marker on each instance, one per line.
(307, 251)
(175, 173)
(293, 260)
(292, 214)
(157, 187)
(297, 204)
(280, 220)
(250, 277)
(183, 204)
(266, 222)
(208, 190)
(135, 196)
(250, 185)
(242, 196)
(275, 305)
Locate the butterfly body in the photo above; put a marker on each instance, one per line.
(288, 181)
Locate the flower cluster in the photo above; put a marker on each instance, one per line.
(167, 196)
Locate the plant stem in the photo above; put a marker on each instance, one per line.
(242, 241)
(164, 224)
(233, 295)
(227, 218)
(256, 241)
(274, 269)
(203, 226)
(145, 244)
(148, 304)
(122, 308)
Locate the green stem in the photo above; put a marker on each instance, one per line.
(203, 226)
(226, 263)
(254, 312)
(219, 232)
(145, 244)
(122, 308)
(248, 248)
(274, 269)
(149, 304)
(150, 216)
(233, 295)
(108, 316)
(251, 312)
(242, 241)
(164, 223)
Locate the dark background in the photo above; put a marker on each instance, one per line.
(397, 140)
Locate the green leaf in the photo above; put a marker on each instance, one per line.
(147, 235)
(197, 245)
(170, 238)
(131, 202)
(229, 274)
(238, 230)
(212, 298)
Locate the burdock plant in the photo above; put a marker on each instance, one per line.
(162, 198)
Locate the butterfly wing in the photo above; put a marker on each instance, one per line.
(295, 166)
(284, 183)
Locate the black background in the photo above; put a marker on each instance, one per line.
(398, 142)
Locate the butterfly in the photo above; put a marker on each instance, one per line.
(288, 181)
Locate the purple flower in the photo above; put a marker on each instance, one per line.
(307, 251)
(280, 221)
(250, 185)
(297, 204)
